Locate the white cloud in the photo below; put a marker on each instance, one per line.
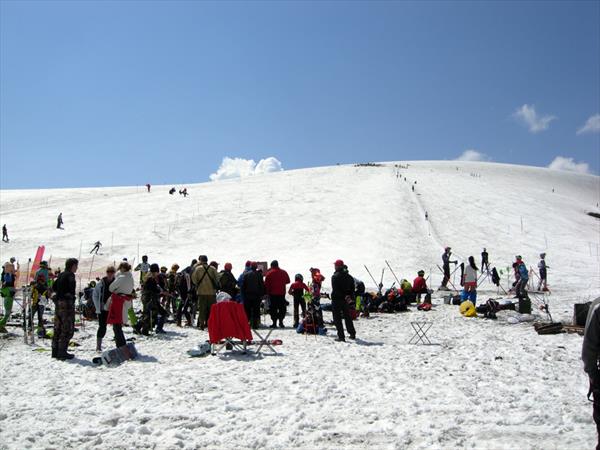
(527, 115)
(473, 155)
(591, 126)
(568, 164)
(240, 168)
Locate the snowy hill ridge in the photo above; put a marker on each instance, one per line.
(311, 217)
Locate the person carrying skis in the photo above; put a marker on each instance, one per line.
(485, 265)
(297, 289)
(342, 289)
(543, 268)
(590, 354)
(227, 281)
(446, 266)
(143, 268)
(100, 297)
(97, 246)
(64, 310)
(253, 289)
(4, 233)
(8, 293)
(59, 221)
(205, 279)
(276, 281)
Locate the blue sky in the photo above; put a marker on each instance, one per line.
(121, 93)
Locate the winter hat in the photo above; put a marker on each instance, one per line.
(338, 263)
(154, 268)
(163, 269)
(175, 267)
(421, 273)
(254, 264)
(248, 263)
(228, 267)
(214, 264)
(43, 264)
(542, 255)
(203, 258)
(299, 277)
(274, 263)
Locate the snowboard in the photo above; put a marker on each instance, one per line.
(116, 356)
(39, 255)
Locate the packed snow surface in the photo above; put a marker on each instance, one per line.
(488, 384)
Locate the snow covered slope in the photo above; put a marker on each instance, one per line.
(488, 385)
(312, 217)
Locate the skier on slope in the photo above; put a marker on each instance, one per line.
(97, 246)
(59, 221)
(485, 265)
(446, 266)
(4, 233)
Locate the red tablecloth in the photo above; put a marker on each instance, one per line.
(227, 320)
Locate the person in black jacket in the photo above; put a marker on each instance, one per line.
(342, 288)
(64, 312)
(253, 289)
(152, 311)
(590, 354)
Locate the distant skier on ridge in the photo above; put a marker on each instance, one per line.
(4, 233)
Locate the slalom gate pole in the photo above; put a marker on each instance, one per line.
(91, 266)
(392, 270)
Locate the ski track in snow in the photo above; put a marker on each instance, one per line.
(488, 385)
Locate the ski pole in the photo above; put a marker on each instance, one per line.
(372, 277)
(392, 270)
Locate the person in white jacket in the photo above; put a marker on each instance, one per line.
(100, 297)
(122, 289)
(470, 281)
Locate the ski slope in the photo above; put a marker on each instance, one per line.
(487, 385)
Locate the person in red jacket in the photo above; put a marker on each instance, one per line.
(420, 285)
(297, 289)
(275, 282)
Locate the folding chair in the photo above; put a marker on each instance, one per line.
(264, 341)
(226, 322)
(421, 327)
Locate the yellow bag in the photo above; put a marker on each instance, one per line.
(467, 309)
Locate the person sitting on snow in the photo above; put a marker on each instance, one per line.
(420, 286)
